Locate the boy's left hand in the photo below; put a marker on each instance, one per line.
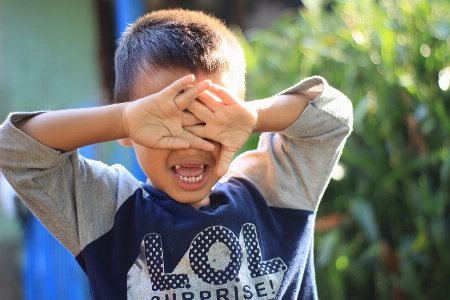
(228, 120)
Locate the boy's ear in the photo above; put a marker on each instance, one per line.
(126, 142)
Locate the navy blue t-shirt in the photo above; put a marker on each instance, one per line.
(235, 248)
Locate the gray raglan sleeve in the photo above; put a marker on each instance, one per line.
(75, 198)
(292, 168)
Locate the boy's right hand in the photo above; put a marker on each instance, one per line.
(157, 121)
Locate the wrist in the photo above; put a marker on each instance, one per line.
(259, 109)
(122, 124)
(256, 114)
(278, 112)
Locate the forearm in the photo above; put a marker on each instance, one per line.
(279, 112)
(67, 130)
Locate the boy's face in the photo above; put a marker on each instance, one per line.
(187, 175)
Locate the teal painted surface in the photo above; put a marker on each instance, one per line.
(48, 61)
(48, 54)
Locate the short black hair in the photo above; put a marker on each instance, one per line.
(177, 39)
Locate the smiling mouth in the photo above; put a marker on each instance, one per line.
(189, 173)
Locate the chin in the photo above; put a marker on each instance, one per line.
(194, 200)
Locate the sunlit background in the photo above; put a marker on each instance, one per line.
(382, 230)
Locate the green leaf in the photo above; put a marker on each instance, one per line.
(362, 211)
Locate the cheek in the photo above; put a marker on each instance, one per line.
(142, 155)
(150, 160)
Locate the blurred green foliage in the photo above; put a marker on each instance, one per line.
(383, 229)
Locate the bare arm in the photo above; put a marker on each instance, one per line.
(70, 129)
(279, 112)
(155, 121)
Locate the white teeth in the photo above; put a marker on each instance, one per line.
(178, 166)
(190, 179)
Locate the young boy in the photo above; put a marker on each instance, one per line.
(198, 229)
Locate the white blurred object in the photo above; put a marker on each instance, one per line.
(338, 172)
(444, 78)
(7, 194)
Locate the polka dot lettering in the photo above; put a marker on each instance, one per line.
(155, 265)
(213, 238)
(256, 266)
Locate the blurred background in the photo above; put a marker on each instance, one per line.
(382, 230)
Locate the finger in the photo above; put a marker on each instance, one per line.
(197, 142)
(200, 111)
(198, 130)
(225, 158)
(188, 87)
(183, 100)
(173, 89)
(210, 100)
(189, 119)
(167, 143)
(223, 94)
